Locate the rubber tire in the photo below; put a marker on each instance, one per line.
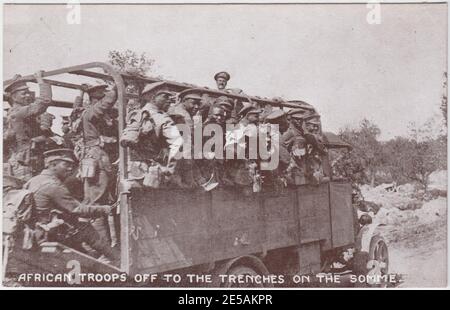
(362, 258)
(238, 270)
(375, 240)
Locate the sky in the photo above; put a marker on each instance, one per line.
(327, 55)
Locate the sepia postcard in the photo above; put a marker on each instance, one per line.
(225, 145)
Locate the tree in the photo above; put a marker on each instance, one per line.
(366, 148)
(134, 64)
(414, 158)
(131, 62)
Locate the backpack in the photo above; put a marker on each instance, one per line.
(18, 207)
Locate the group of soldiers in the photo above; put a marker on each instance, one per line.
(154, 134)
(76, 206)
(43, 164)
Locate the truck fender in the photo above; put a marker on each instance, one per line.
(247, 260)
(364, 237)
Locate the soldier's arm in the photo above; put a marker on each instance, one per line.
(79, 99)
(98, 109)
(316, 143)
(41, 103)
(173, 138)
(63, 200)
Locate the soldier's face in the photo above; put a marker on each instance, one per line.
(97, 94)
(297, 123)
(62, 169)
(192, 106)
(21, 96)
(312, 128)
(253, 118)
(221, 83)
(218, 114)
(162, 101)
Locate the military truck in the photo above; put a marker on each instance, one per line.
(296, 230)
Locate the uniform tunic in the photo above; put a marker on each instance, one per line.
(23, 125)
(95, 127)
(50, 193)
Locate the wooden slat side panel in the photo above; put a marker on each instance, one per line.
(169, 230)
(341, 214)
(280, 219)
(309, 257)
(236, 224)
(314, 214)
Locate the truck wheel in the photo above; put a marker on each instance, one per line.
(239, 271)
(372, 263)
(378, 252)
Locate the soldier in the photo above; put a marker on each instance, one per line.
(96, 131)
(228, 105)
(217, 116)
(22, 124)
(191, 101)
(278, 117)
(154, 139)
(212, 168)
(46, 141)
(96, 169)
(316, 149)
(61, 217)
(305, 149)
(222, 79)
(245, 136)
(295, 144)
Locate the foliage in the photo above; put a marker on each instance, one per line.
(366, 152)
(131, 62)
(402, 159)
(414, 160)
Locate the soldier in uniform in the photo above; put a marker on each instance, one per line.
(305, 148)
(295, 144)
(212, 167)
(60, 217)
(22, 124)
(222, 79)
(154, 139)
(96, 170)
(316, 149)
(228, 105)
(45, 141)
(245, 138)
(278, 118)
(191, 101)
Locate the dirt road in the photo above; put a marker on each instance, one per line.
(418, 251)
